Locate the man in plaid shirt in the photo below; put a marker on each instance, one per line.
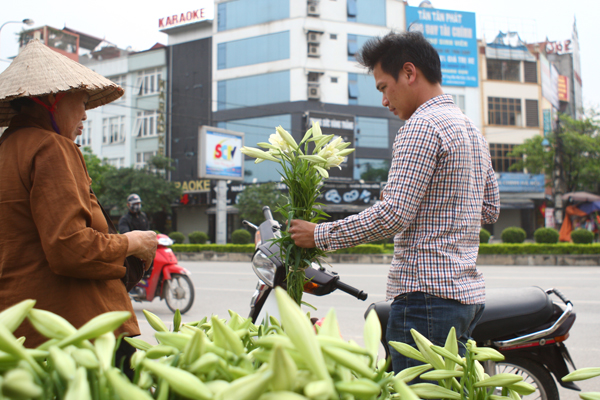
(441, 188)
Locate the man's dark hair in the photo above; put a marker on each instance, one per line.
(395, 49)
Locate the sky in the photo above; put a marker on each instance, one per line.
(135, 23)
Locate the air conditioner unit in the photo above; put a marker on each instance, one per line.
(314, 92)
(313, 10)
(314, 37)
(313, 50)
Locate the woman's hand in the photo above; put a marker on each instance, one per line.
(142, 244)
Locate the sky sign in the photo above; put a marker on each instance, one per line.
(453, 35)
(220, 154)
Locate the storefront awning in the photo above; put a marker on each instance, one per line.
(516, 205)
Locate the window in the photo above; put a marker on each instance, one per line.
(459, 100)
(120, 80)
(142, 159)
(355, 43)
(118, 162)
(113, 130)
(254, 132)
(503, 70)
(501, 162)
(371, 169)
(532, 118)
(146, 123)
(333, 36)
(334, 79)
(85, 139)
(148, 82)
(239, 13)
(371, 12)
(254, 50)
(372, 132)
(362, 91)
(530, 71)
(253, 90)
(503, 111)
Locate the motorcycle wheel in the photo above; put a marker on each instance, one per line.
(534, 374)
(178, 293)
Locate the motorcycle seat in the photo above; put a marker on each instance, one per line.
(509, 311)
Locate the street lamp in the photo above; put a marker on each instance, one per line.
(26, 21)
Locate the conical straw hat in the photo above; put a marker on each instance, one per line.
(39, 71)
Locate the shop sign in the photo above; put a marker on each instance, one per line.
(350, 193)
(559, 47)
(453, 35)
(192, 186)
(520, 182)
(563, 88)
(184, 18)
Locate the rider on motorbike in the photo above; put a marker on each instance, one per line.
(135, 220)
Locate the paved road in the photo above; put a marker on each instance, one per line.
(221, 286)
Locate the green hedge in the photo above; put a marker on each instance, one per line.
(219, 248)
(500, 248)
(539, 248)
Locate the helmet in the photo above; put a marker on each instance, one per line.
(134, 203)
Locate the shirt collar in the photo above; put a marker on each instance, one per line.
(434, 101)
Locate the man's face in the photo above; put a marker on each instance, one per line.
(396, 93)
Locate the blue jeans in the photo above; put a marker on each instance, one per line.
(432, 317)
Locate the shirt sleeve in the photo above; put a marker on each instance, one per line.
(414, 159)
(491, 199)
(61, 208)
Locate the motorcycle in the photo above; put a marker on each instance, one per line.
(528, 328)
(167, 280)
(524, 324)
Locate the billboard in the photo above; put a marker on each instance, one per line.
(219, 155)
(453, 35)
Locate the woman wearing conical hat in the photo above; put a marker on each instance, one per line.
(55, 243)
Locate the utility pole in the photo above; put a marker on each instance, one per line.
(558, 179)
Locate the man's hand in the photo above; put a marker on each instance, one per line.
(303, 233)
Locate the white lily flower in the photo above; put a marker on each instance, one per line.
(287, 137)
(314, 158)
(334, 161)
(316, 130)
(257, 153)
(322, 171)
(277, 142)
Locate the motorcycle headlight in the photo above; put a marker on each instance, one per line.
(264, 268)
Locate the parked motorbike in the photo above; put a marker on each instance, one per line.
(167, 280)
(528, 328)
(524, 324)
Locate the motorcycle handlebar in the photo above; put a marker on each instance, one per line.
(359, 294)
(267, 213)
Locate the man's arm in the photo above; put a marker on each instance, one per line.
(491, 199)
(414, 160)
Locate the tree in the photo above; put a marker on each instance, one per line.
(579, 144)
(157, 193)
(254, 197)
(112, 186)
(97, 169)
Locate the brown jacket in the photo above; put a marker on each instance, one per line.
(54, 241)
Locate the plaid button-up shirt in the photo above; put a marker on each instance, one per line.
(441, 188)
